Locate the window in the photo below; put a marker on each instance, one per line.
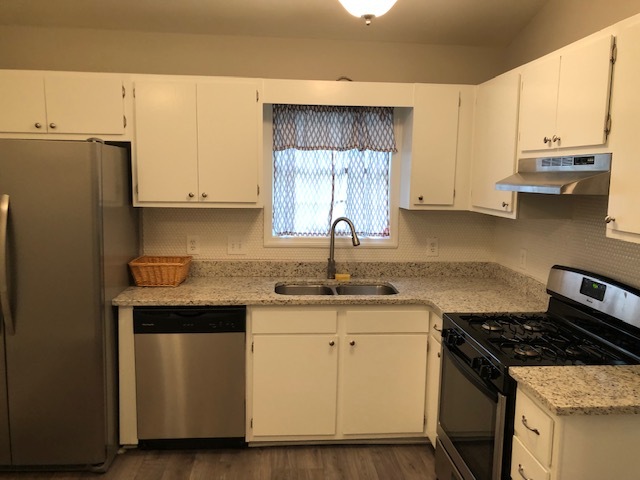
(330, 162)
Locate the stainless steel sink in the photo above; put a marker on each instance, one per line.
(344, 289)
(300, 289)
(372, 289)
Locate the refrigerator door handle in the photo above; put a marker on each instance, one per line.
(5, 304)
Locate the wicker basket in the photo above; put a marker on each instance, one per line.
(159, 271)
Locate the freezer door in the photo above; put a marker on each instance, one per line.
(55, 360)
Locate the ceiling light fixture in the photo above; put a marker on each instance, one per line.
(367, 9)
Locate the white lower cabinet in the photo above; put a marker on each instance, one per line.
(327, 373)
(562, 447)
(434, 360)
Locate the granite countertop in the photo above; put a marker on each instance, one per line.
(583, 390)
(468, 288)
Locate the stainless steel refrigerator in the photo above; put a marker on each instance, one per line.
(67, 231)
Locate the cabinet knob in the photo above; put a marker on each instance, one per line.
(204, 195)
(609, 219)
(420, 198)
(52, 125)
(546, 140)
(352, 343)
(505, 204)
(555, 139)
(439, 354)
(332, 343)
(37, 125)
(191, 195)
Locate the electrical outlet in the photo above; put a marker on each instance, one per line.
(235, 245)
(432, 247)
(193, 245)
(523, 258)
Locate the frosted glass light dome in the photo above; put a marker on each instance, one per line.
(367, 9)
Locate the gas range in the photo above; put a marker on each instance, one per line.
(590, 320)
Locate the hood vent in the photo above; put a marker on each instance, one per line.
(576, 175)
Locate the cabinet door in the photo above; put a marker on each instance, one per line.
(434, 361)
(166, 141)
(294, 385)
(83, 104)
(22, 107)
(383, 383)
(229, 123)
(538, 104)
(624, 194)
(583, 94)
(434, 144)
(495, 142)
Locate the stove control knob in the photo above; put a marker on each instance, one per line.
(488, 372)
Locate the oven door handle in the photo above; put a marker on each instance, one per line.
(471, 375)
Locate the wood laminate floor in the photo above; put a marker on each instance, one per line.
(344, 462)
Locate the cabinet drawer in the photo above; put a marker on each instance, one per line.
(534, 428)
(524, 465)
(294, 320)
(382, 320)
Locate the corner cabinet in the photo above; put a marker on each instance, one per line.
(565, 98)
(623, 221)
(327, 373)
(197, 142)
(495, 144)
(61, 103)
(436, 148)
(558, 447)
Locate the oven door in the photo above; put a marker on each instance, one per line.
(471, 423)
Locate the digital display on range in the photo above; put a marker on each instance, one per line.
(593, 289)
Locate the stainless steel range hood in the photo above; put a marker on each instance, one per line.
(576, 175)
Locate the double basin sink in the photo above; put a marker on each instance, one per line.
(342, 289)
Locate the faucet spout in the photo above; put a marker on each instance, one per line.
(331, 265)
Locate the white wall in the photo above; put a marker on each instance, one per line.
(138, 52)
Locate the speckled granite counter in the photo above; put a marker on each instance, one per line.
(468, 287)
(583, 390)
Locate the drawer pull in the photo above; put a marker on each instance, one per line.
(435, 327)
(521, 472)
(524, 422)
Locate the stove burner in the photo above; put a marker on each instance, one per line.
(492, 326)
(526, 350)
(533, 326)
(573, 351)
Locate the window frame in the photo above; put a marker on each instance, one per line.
(270, 240)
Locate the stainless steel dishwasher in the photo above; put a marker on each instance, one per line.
(190, 375)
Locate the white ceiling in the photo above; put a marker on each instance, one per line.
(444, 22)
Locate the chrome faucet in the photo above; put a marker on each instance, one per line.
(331, 266)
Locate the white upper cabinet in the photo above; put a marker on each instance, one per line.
(436, 134)
(565, 98)
(624, 194)
(495, 144)
(60, 103)
(197, 142)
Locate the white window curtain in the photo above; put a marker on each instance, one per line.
(330, 162)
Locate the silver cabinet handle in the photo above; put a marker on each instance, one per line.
(421, 198)
(524, 422)
(5, 304)
(435, 327)
(505, 204)
(191, 195)
(204, 195)
(52, 125)
(37, 125)
(521, 472)
(555, 139)
(352, 343)
(546, 140)
(609, 219)
(332, 343)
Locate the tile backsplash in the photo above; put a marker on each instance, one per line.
(462, 237)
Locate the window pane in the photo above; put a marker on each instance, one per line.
(313, 188)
